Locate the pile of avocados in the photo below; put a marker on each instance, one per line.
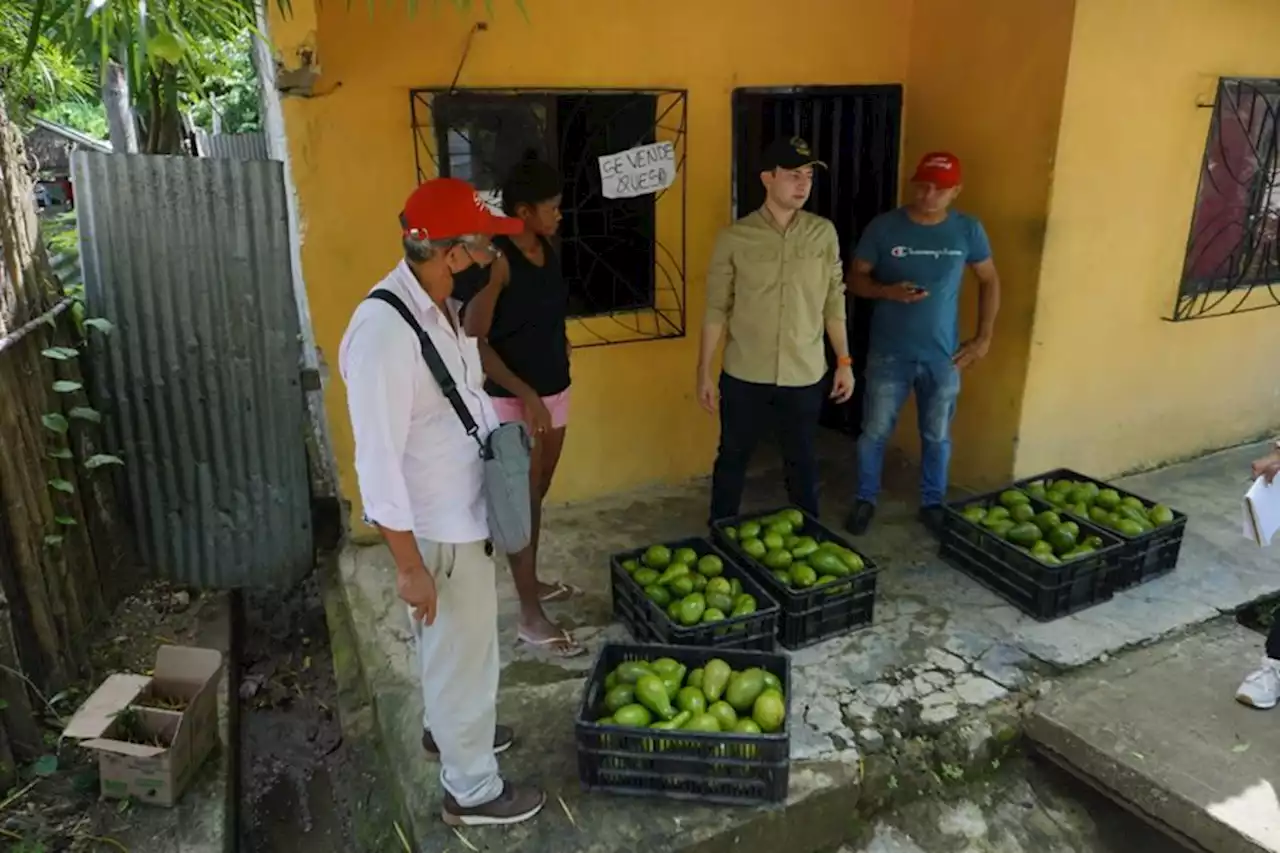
(798, 561)
(689, 587)
(661, 694)
(1046, 535)
(1105, 507)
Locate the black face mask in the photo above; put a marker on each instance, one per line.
(469, 282)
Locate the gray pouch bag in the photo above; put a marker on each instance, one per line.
(504, 452)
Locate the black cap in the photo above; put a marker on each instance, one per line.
(793, 153)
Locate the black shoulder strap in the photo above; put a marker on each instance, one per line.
(434, 363)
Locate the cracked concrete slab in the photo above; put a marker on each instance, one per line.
(1025, 808)
(945, 659)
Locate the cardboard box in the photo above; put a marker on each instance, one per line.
(152, 733)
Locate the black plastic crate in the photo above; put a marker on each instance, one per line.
(812, 615)
(1043, 591)
(649, 623)
(733, 769)
(1146, 556)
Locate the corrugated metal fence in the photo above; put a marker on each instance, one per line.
(189, 259)
(233, 146)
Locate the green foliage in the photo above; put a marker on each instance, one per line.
(229, 87)
(35, 75)
(86, 116)
(148, 39)
(100, 459)
(60, 426)
(54, 422)
(178, 55)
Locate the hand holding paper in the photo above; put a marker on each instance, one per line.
(1262, 511)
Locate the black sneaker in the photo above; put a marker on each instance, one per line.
(503, 738)
(931, 518)
(860, 518)
(513, 805)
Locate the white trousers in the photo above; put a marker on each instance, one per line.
(458, 666)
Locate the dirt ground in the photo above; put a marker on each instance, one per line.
(290, 741)
(55, 806)
(290, 737)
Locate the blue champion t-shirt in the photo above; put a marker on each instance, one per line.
(933, 257)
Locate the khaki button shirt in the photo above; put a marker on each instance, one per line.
(775, 291)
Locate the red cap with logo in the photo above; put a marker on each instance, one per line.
(940, 169)
(449, 207)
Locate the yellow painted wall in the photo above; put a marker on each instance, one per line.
(1110, 385)
(985, 82)
(634, 419)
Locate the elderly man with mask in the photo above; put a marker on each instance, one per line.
(421, 481)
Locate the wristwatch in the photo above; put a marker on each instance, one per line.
(846, 361)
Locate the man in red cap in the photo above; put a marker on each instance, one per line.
(912, 262)
(421, 481)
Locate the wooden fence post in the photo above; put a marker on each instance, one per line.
(52, 590)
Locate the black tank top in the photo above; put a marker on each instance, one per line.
(528, 330)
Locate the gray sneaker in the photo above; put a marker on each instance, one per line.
(513, 805)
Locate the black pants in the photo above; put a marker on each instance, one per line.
(1273, 640)
(747, 410)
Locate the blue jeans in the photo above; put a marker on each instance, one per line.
(889, 380)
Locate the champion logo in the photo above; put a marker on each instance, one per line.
(801, 147)
(480, 205)
(908, 252)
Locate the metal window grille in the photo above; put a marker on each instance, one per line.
(624, 259)
(1232, 262)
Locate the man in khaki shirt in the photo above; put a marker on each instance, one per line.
(775, 284)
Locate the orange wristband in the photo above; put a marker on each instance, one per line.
(844, 361)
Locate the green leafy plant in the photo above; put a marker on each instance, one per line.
(59, 426)
(163, 49)
(35, 75)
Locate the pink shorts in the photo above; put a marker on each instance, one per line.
(512, 408)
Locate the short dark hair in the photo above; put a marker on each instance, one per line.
(531, 181)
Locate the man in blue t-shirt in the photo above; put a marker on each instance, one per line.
(912, 261)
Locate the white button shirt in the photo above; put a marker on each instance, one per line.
(417, 467)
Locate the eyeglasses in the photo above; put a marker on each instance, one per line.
(485, 248)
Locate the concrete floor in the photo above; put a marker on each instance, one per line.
(1026, 807)
(1160, 727)
(931, 693)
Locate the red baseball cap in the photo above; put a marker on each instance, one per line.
(449, 207)
(940, 169)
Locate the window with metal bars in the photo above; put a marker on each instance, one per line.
(623, 258)
(1232, 261)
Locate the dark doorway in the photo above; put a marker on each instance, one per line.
(855, 130)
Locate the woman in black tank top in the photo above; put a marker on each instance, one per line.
(519, 319)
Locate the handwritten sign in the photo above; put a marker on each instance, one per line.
(638, 171)
(493, 200)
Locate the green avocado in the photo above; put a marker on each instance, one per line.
(1025, 535)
